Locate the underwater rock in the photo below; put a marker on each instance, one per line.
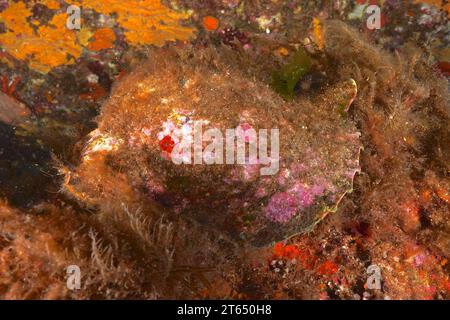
(147, 128)
(25, 168)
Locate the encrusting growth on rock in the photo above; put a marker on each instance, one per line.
(140, 226)
(155, 110)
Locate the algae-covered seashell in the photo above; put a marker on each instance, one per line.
(154, 112)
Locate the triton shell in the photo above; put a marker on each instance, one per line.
(155, 109)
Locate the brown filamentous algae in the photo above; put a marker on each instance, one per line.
(152, 114)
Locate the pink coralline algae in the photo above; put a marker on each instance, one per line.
(282, 207)
(305, 195)
(245, 130)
